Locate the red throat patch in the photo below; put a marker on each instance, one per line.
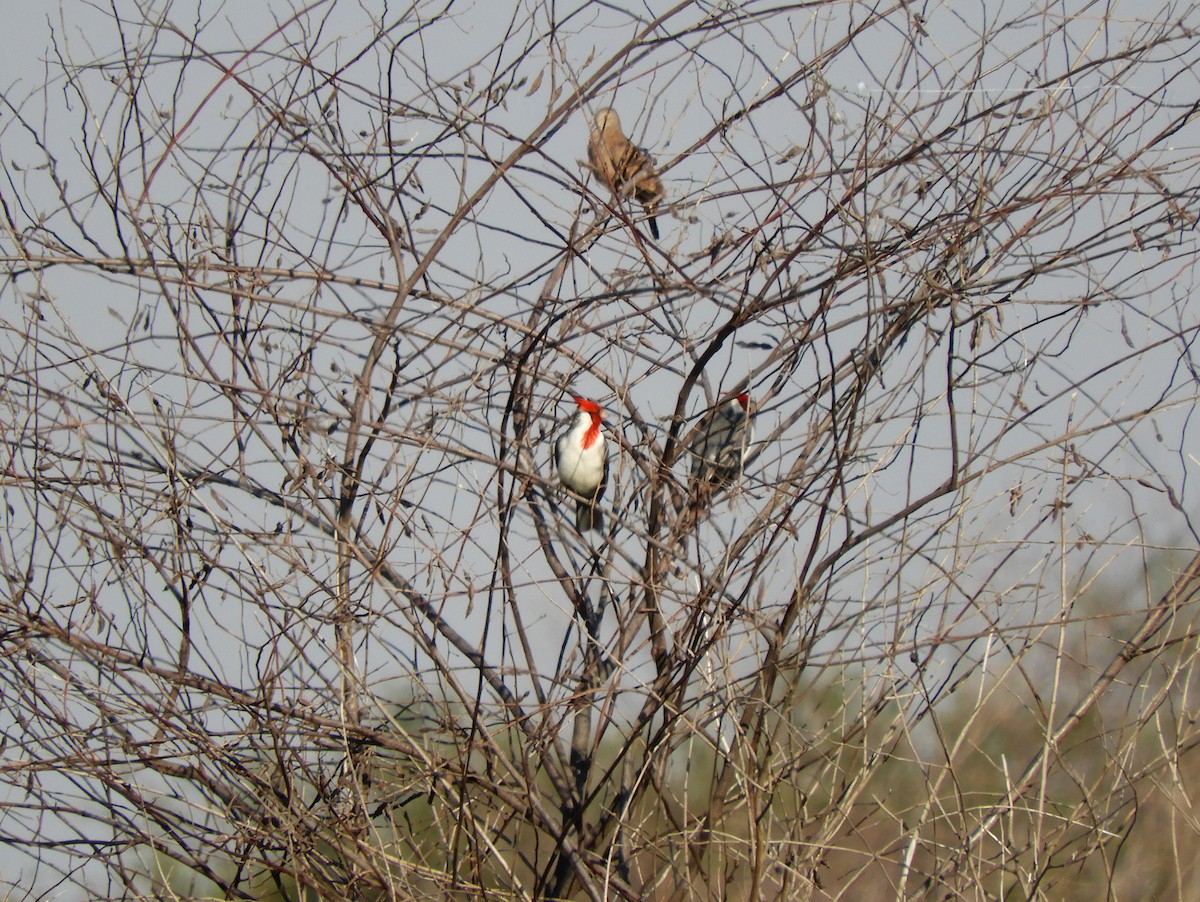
(592, 409)
(593, 434)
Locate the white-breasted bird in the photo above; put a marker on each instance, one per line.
(719, 451)
(626, 168)
(581, 456)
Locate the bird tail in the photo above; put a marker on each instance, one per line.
(654, 227)
(588, 516)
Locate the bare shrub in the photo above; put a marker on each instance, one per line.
(296, 301)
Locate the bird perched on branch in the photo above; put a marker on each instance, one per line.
(719, 451)
(627, 169)
(582, 460)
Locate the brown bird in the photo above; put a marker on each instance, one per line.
(627, 169)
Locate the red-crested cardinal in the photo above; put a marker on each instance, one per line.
(627, 169)
(582, 460)
(719, 451)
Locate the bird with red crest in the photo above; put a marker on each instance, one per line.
(581, 455)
